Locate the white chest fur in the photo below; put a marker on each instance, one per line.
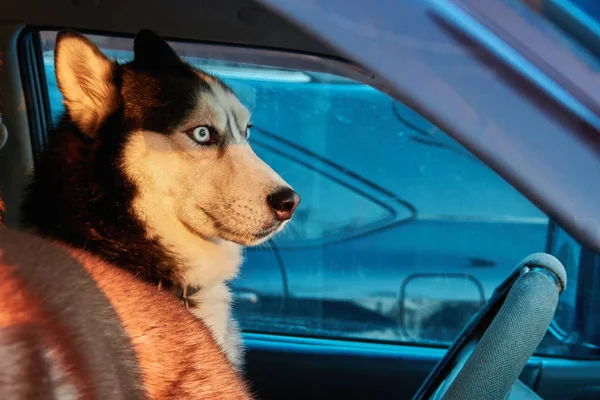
(213, 306)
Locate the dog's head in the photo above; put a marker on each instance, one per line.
(185, 145)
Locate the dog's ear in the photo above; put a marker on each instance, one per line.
(151, 51)
(85, 78)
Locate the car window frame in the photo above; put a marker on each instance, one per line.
(324, 65)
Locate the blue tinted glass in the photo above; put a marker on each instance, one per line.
(402, 234)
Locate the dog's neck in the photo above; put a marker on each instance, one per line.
(203, 262)
(182, 293)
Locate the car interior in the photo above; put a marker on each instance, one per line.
(451, 266)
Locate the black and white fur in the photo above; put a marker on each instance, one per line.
(130, 175)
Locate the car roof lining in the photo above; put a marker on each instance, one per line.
(242, 22)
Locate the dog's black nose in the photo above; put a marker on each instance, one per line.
(284, 202)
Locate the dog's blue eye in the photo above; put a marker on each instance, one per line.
(201, 135)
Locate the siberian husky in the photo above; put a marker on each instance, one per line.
(75, 327)
(151, 169)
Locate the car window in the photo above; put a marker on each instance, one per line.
(401, 235)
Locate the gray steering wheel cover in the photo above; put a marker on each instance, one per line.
(510, 340)
(548, 262)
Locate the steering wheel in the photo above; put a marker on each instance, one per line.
(487, 358)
